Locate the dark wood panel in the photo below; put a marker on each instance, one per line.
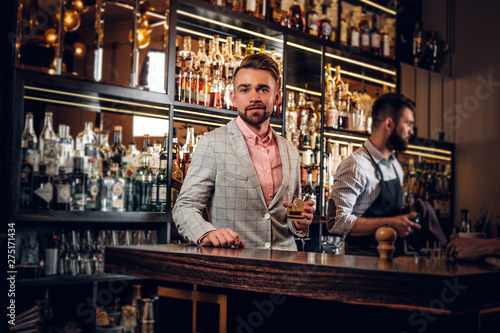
(403, 283)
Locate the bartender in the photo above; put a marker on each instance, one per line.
(367, 191)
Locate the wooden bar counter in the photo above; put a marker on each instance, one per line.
(417, 289)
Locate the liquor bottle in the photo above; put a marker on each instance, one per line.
(86, 145)
(217, 85)
(118, 150)
(178, 76)
(295, 16)
(238, 57)
(229, 60)
(127, 173)
(176, 148)
(354, 33)
(65, 149)
(312, 19)
(251, 7)
(364, 28)
(325, 25)
(27, 174)
(43, 190)
(113, 191)
(417, 49)
(366, 103)
(359, 115)
(332, 113)
(249, 49)
(343, 28)
(292, 117)
(329, 81)
(48, 146)
(78, 181)
(62, 189)
(162, 185)
(177, 180)
(153, 159)
(92, 199)
(143, 185)
(233, 5)
(188, 84)
(29, 142)
(202, 76)
(375, 41)
(133, 156)
(104, 154)
(386, 44)
(188, 149)
(228, 104)
(339, 88)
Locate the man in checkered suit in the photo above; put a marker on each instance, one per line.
(243, 172)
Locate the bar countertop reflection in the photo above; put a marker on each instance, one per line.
(405, 283)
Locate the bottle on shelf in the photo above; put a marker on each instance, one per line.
(417, 46)
(62, 191)
(133, 156)
(343, 31)
(364, 30)
(375, 41)
(65, 149)
(217, 84)
(118, 150)
(331, 113)
(188, 149)
(238, 57)
(78, 181)
(48, 146)
(104, 154)
(29, 142)
(312, 19)
(291, 119)
(43, 190)
(354, 33)
(143, 184)
(295, 16)
(188, 84)
(325, 24)
(86, 145)
(177, 180)
(161, 185)
(93, 186)
(202, 76)
(113, 191)
(27, 174)
(127, 173)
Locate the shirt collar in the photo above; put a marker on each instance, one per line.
(376, 154)
(250, 136)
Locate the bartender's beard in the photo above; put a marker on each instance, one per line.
(397, 142)
(255, 118)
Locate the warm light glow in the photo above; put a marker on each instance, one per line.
(309, 92)
(80, 50)
(78, 5)
(143, 33)
(51, 37)
(376, 5)
(71, 20)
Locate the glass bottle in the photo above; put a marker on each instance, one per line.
(325, 25)
(104, 154)
(177, 180)
(127, 173)
(228, 104)
(251, 7)
(178, 77)
(78, 181)
(86, 145)
(113, 193)
(354, 33)
(118, 150)
(375, 41)
(48, 146)
(312, 19)
(339, 87)
(176, 147)
(292, 117)
(229, 60)
(27, 174)
(417, 49)
(238, 57)
(92, 200)
(154, 159)
(364, 28)
(65, 149)
(217, 85)
(162, 185)
(143, 185)
(249, 48)
(295, 16)
(188, 149)
(332, 113)
(43, 190)
(343, 28)
(202, 76)
(62, 191)
(133, 156)
(29, 142)
(188, 83)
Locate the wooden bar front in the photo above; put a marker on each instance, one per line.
(420, 285)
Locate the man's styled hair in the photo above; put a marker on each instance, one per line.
(260, 61)
(390, 105)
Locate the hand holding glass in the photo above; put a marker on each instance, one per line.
(296, 206)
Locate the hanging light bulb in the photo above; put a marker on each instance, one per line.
(51, 37)
(80, 50)
(71, 20)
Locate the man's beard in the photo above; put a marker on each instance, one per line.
(255, 118)
(397, 142)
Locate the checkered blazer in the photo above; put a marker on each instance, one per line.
(222, 178)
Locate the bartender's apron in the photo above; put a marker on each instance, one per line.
(387, 204)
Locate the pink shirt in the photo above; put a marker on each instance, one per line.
(266, 159)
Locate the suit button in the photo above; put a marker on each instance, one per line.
(267, 245)
(267, 216)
